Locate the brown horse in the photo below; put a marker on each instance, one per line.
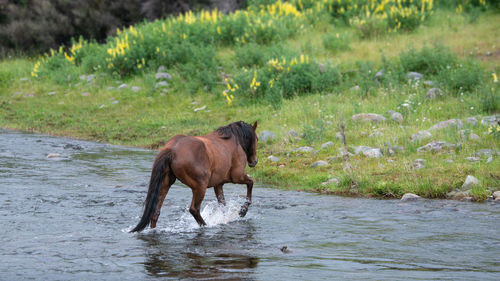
(201, 162)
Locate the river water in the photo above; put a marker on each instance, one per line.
(67, 217)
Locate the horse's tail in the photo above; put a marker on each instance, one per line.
(161, 169)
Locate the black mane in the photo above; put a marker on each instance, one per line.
(244, 133)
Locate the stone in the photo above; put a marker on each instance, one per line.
(292, 133)
(115, 102)
(319, 163)
(470, 181)
(373, 117)
(471, 121)
(450, 161)
(90, 78)
(338, 135)
(267, 136)
(486, 152)
(376, 134)
(85, 94)
(16, 94)
(200, 108)
(379, 75)
(356, 88)
(496, 195)
(458, 195)
(397, 117)
(303, 149)
(473, 158)
(161, 84)
(273, 158)
(418, 164)
(489, 160)
(322, 67)
(53, 155)
(414, 76)
(421, 135)
(28, 95)
(436, 146)
(468, 135)
(429, 83)
(135, 89)
(51, 93)
(326, 145)
(330, 181)
(490, 120)
(448, 123)
(410, 197)
(83, 77)
(161, 68)
(368, 151)
(122, 86)
(433, 93)
(110, 88)
(163, 76)
(24, 79)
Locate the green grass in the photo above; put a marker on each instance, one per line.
(147, 118)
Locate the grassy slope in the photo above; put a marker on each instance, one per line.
(146, 120)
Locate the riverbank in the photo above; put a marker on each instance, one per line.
(405, 149)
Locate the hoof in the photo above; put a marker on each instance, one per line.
(243, 211)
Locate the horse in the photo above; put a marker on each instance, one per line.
(201, 162)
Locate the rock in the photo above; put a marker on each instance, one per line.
(326, 145)
(161, 84)
(472, 121)
(496, 195)
(303, 149)
(24, 79)
(414, 76)
(319, 163)
(368, 151)
(410, 197)
(85, 94)
(292, 133)
(273, 158)
(397, 117)
(330, 181)
(90, 78)
(467, 134)
(122, 86)
(285, 249)
(486, 152)
(341, 152)
(449, 161)
(470, 181)
(114, 102)
(428, 83)
(490, 120)
(162, 68)
(489, 160)
(135, 89)
(163, 76)
(82, 77)
(444, 124)
(51, 93)
(110, 88)
(338, 135)
(73, 146)
(200, 108)
(29, 95)
(459, 195)
(473, 158)
(436, 146)
(356, 88)
(420, 136)
(376, 134)
(267, 136)
(16, 94)
(433, 93)
(322, 67)
(373, 117)
(379, 75)
(418, 164)
(53, 155)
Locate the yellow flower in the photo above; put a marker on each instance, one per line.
(495, 78)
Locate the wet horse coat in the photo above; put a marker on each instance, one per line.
(201, 162)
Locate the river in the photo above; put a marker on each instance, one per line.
(67, 216)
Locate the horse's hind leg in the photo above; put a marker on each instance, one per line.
(219, 193)
(167, 182)
(198, 195)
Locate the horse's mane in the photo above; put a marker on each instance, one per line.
(244, 133)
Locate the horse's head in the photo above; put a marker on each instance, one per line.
(252, 153)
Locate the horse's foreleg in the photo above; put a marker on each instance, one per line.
(198, 195)
(244, 208)
(219, 193)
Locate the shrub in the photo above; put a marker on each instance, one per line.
(465, 76)
(336, 42)
(428, 60)
(490, 101)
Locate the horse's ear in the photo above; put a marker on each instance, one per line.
(255, 126)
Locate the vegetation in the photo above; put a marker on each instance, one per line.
(302, 65)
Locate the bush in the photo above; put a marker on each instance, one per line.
(428, 60)
(336, 42)
(490, 101)
(464, 77)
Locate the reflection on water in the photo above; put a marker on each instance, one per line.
(67, 218)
